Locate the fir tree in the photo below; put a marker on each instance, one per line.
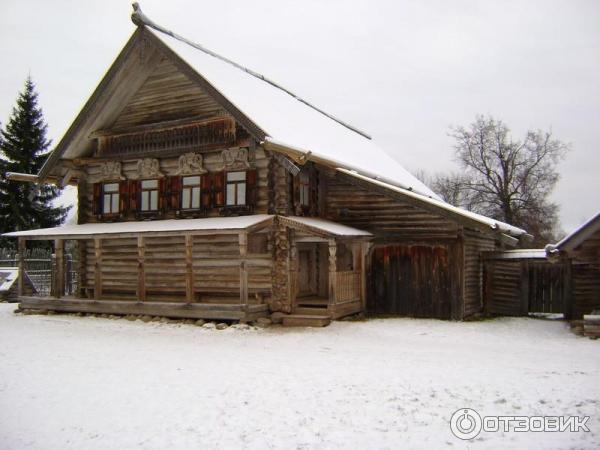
(24, 148)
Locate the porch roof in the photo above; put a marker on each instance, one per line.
(153, 227)
(324, 227)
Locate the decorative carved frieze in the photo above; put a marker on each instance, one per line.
(111, 170)
(190, 164)
(235, 159)
(149, 168)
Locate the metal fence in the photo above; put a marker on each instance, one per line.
(38, 264)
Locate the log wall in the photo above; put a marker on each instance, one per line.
(473, 245)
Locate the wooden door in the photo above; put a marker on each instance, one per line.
(307, 275)
(410, 280)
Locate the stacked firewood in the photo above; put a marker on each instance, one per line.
(591, 325)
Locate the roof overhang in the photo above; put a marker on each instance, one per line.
(577, 237)
(168, 227)
(324, 228)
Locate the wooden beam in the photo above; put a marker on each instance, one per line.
(21, 259)
(141, 287)
(98, 268)
(243, 242)
(189, 268)
(59, 251)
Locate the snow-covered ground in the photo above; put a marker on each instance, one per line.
(71, 382)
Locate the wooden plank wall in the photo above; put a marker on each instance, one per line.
(372, 211)
(215, 265)
(168, 166)
(473, 244)
(503, 288)
(167, 94)
(585, 268)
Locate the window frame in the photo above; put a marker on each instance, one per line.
(191, 188)
(141, 193)
(235, 183)
(112, 194)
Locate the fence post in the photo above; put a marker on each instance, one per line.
(21, 262)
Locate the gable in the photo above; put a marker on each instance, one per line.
(167, 95)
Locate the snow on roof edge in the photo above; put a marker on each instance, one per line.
(153, 226)
(10, 279)
(328, 226)
(493, 224)
(574, 234)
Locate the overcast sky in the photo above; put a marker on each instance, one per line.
(403, 71)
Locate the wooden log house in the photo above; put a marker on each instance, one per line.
(205, 191)
(579, 253)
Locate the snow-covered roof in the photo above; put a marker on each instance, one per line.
(483, 220)
(151, 226)
(8, 276)
(326, 226)
(526, 253)
(289, 121)
(578, 236)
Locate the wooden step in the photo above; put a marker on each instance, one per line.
(309, 311)
(306, 320)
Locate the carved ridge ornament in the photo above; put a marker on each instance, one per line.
(111, 170)
(235, 159)
(190, 164)
(149, 168)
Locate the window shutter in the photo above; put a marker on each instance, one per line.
(296, 191)
(163, 194)
(134, 189)
(175, 199)
(218, 189)
(123, 197)
(251, 187)
(205, 191)
(97, 199)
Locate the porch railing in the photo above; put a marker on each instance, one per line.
(347, 286)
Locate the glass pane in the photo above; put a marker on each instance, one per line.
(230, 194)
(191, 181)
(149, 184)
(115, 203)
(106, 204)
(153, 200)
(145, 202)
(241, 194)
(185, 198)
(111, 187)
(196, 198)
(236, 176)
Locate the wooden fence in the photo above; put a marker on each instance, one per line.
(517, 287)
(38, 266)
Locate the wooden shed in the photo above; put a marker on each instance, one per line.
(580, 253)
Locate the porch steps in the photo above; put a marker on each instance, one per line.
(306, 320)
(309, 311)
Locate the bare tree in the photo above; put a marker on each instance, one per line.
(510, 180)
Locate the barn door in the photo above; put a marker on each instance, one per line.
(410, 280)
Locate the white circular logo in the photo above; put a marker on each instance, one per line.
(465, 423)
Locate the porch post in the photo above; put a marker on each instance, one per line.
(59, 251)
(98, 268)
(141, 287)
(332, 272)
(21, 263)
(189, 268)
(292, 270)
(243, 242)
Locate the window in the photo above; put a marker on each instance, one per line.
(190, 193)
(149, 195)
(110, 198)
(304, 189)
(235, 189)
